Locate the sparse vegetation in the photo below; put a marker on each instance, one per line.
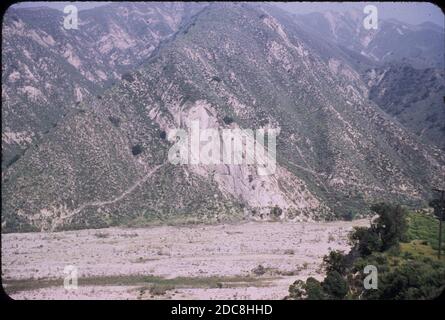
(101, 235)
(114, 120)
(160, 289)
(155, 285)
(259, 270)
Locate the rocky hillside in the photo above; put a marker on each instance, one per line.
(414, 96)
(401, 64)
(420, 45)
(48, 69)
(106, 162)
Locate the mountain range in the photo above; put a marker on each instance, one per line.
(88, 114)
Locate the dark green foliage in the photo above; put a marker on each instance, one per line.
(439, 208)
(128, 77)
(216, 79)
(137, 149)
(314, 289)
(407, 277)
(228, 120)
(386, 231)
(401, 274)
(276, 211)
(335, 261)
(162, 135)
(335, 286)
(391, 224)
(348, 216)
(311, 290)
(365, 241)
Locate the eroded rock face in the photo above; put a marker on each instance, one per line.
(48, 70)
(252, 65)
(262, 192)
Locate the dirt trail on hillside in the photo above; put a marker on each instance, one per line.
(115, 199)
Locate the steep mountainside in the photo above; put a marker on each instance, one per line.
(107, 164)
(402, 66)
(414, 96)
(420, 45)
(48, 69)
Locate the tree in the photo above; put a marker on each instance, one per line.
(276, 211)
(365, 240)
(335, 261)
(137, 149)
(314, 290)
(439, 212)
(128, 77)
(297, 290)
(438, 206)
(335, 286)
(348, 216)
(385, 232)
(228, 119)
(390, 225)
(311, 290)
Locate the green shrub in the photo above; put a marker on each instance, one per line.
(311, 290)
(128, 77)
(137, 149)
(335, 261)
(335, 286)
(228, 120)
(276, 212)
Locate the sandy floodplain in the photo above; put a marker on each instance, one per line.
(251, 260)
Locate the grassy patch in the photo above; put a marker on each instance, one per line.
(179, 220)
(153, 283)
(418, 248)
(425, 229)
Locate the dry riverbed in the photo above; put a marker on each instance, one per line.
(252, 260)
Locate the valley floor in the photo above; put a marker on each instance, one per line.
(252, 260)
